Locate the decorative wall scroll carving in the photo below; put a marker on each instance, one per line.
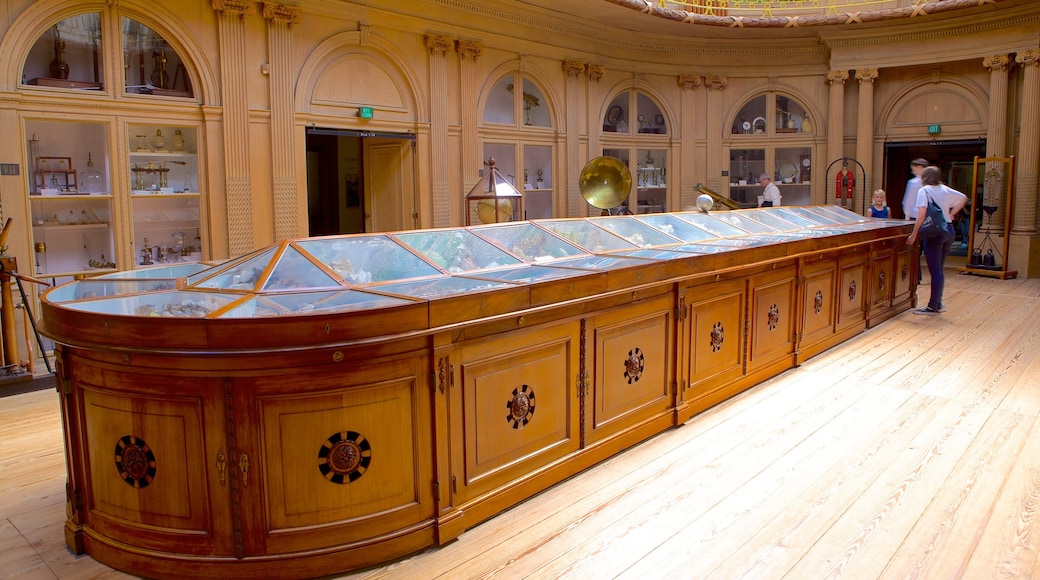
(438, 43)
(716, 82)
(235, 7)
(281, 13)
(774, 317)
(344, 457)
(904, 273)
(135, 461)
(1028, 57)
(573, 67)
(818, 302)
(881, 281)
(595, 71)
(521, 407)
(634, 365)
(690, 81)
(718, 336)
(470, 48)
(866, 75)
(837, 76)
(852, 290)
(997, 62)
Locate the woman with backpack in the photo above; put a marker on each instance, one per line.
(936, 247)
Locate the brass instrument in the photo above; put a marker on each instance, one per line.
(605, 182)
(721, 201)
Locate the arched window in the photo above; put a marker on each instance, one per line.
(635, 131)
(771, 134)
(151, 65)
(524, 152)
(68, 55)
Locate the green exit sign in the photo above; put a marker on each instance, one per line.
(934, 129)
(365, 112)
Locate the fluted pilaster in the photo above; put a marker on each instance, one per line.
(1028, 145)
(231, 29)
(835, 120)
(865, 131)
(286, 201)
(440, 188)
(716, 85)
(691, 86)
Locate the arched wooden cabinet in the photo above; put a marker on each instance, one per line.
(332, 403)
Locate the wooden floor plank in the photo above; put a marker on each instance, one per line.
(945, 535)
(1009, 546)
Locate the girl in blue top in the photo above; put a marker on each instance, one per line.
(879, 209)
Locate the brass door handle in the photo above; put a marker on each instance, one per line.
(243, 464)
(222, 465)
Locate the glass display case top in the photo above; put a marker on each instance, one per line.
(812, 218)
(611, 262)
(323, 275)
(456, 250)
(586, 235)
(160, 272)
(531, 274)
(718, 228)
(743, 222)
(296, 303)
(100, 288)
(771, 219)
(368, 258)
(177, 303)
(635, 231)
(439, 287)
(653, 254)
(530, 243)
(675, 227)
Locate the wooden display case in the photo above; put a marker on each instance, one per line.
(326, 404)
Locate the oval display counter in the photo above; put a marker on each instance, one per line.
(331, 403)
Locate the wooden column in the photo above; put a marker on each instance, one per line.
(1028, 158)
(688, 123)
(835, 127)
(286, 201)
(716, 164)
(472, 154)
(865, 135)
(231, 31)
(440, 191)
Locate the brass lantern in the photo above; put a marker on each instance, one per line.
(493, 199)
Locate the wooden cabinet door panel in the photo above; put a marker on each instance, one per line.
(519, 406)
(715, 334)
(851, 291)
(633, 366)
(881, 270)
(818, 308)
(904, 273)
(772, 317)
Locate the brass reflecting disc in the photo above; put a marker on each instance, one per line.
(605, 182)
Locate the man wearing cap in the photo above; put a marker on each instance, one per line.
(770, 192)
(910, 195)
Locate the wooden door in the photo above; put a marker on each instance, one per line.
(388, 184)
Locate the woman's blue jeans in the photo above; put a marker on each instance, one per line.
(935, 251)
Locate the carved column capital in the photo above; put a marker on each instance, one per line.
(470, 48)
(996, 63)
(837, 76)
(1028, 57)
(573, 67)
(281, 13)
(595, 71)
(716, 82)
(235, 7)
(438, 43)
(690, 81)
(866, 75)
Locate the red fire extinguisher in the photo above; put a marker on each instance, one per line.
(845, 182)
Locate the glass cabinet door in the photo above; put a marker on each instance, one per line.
(164, 194)
(70, 198)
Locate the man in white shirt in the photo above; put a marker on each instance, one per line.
(910, 195)
(770, 192)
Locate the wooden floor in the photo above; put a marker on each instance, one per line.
(911, 451)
